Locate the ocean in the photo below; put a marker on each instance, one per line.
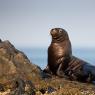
(38, 56)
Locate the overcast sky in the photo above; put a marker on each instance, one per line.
(26, 23)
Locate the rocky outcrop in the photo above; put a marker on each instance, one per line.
(18, 76)
(15, 68)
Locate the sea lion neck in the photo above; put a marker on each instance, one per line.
(57, 40)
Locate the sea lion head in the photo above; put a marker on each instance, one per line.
(59, 34)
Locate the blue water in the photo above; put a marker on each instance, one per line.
(38, 56)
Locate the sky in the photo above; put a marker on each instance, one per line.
(27, 23)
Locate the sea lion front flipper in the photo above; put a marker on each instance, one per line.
(60, 72)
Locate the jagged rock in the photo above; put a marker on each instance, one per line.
(15, 65)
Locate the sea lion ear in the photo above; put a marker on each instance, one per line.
(51, 30)
(67, 36)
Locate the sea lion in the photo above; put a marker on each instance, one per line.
(59, 52)
(62, 63)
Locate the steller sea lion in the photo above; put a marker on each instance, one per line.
(62, 63)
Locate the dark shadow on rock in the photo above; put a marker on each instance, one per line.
(1, 88)
(47, 90)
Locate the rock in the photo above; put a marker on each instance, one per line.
(16, 68)
(30, 88)
(50, 89)
(43, 90)
(1, 88)
(7, 92)
(19, 87)
(47, 90)
(46, 75)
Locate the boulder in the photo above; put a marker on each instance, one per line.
(14, 66)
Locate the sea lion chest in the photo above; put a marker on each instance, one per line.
(56, 51)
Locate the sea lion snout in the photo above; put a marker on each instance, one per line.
(53, 32)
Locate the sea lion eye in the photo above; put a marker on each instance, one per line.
(60, 31)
